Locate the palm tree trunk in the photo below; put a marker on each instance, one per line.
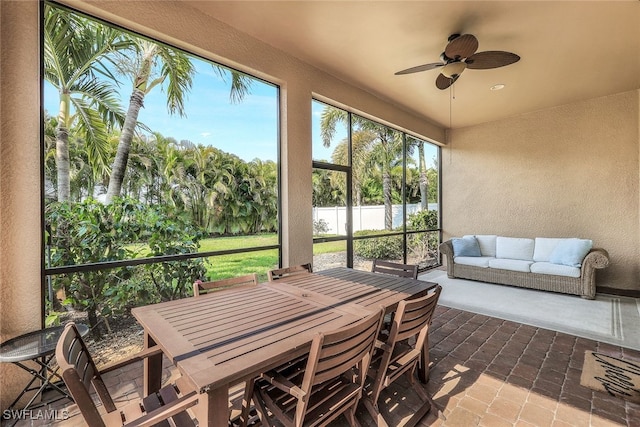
(62, 164)
(386, 192)
(124, 145)
(424, 183)
(62, 150)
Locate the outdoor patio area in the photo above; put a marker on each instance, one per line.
(485, 372)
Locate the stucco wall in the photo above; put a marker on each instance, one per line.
(20, 243)
(569, 171)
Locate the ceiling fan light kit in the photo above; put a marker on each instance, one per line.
(453, 69)
(460, 54)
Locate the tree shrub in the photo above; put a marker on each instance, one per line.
(384, 247)
(92, 232)
(320, 226)
(423, 245)
(423, 220)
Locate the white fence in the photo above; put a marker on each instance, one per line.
(364, 217)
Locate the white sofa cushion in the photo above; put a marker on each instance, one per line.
(555, 269)
(544, 248)
(475, 261)
(487, 243)
(511, 264)
(514, 248)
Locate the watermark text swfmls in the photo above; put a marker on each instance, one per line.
(35, 414)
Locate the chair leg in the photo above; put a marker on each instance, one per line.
(423, 365)
(246, 402)
(262, 410)
(374, 411)
(351, 417)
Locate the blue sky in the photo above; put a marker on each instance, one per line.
(248, 129)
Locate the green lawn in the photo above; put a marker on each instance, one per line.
(223, 266)
(328, 247)
(237, 242)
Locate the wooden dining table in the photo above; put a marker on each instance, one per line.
(227, 337)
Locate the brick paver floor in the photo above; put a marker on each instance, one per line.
(484, 372)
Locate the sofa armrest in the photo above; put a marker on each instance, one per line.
(446, 249)
(595, 259)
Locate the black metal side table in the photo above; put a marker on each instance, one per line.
(39, 347)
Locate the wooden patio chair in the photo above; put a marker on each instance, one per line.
(201, 288)
(400, 353)
(279, 273)
(79, 372)
(317, 389)
(395, 269)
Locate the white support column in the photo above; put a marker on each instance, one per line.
(296, 187)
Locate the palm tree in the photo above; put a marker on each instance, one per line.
(265, 195)
(422, 167)
(154, 64)
(383, 149)
(386, 152)
(76, 51)
(360, 148)
(324, 192)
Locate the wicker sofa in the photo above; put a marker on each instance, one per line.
(525, 263)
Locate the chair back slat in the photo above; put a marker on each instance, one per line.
(413, 315)
(279, 273)
(79, 372)
(333, 366)
(395, 269)
(201, 288)
(337, 352)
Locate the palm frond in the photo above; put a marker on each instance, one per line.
(103, 95)
(240, 83)
(178, 70)
(91, 128)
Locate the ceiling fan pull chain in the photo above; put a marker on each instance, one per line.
(450, 105)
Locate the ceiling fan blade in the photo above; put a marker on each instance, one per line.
(419, 68)
(491, 59)
(443, 82)
(462, 47)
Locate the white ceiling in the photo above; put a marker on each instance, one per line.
(570, 50)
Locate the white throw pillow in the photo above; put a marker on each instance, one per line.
(487, 244)
(571, 252)
(544, 248)
(514, 248)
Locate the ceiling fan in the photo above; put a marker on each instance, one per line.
(460, 54)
